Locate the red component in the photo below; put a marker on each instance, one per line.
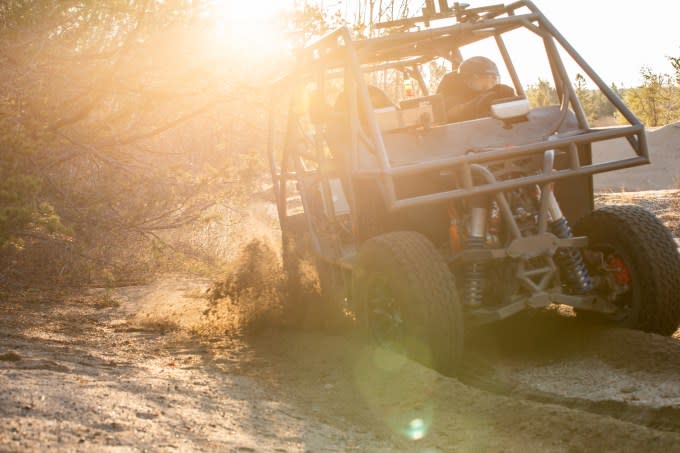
(620, 271)
(408, 88)
(454, 233)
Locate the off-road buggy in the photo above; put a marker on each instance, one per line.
(423, 228)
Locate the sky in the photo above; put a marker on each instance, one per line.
(616, 37)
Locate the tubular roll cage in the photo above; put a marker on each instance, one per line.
(337, 55)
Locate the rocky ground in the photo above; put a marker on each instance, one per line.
(148, 369)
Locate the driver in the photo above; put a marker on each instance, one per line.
(470, 91)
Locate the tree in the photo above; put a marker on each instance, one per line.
(124, 120)
(594, 102)
(655, 100)
(310, 21)
(675, 63)
(542, 94)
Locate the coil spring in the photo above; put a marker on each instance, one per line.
(474, 275)
(570, 261)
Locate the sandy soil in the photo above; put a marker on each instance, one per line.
(664, 203)
(153, 368)
(662, 173)
(108, 371)
(89, 373)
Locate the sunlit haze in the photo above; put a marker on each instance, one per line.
(248, 26)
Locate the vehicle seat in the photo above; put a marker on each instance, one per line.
(379, 101)
(450, 85)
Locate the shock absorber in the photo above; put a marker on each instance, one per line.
(474, 272)
(573, 270)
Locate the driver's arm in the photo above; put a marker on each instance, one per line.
(479, 106)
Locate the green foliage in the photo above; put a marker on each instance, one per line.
(542, 94)
(20, 206)
(595, 104)
(586, 97)
(657, 99)
(120, 121)
(675, 63)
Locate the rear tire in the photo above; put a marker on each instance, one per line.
(406, 298)
(642, 258)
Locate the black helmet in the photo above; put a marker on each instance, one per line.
(474, 66)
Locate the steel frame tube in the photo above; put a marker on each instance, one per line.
(546, 191)
(503, 204)
(339, 46)
(502, 186)
(509, 65)
(494, 154)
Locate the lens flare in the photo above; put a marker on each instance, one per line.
(397, 390)
(416, 429)
(247, 27)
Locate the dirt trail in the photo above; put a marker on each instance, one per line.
(135, 369)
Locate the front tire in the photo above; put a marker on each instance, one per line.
(407, 300)
(632, 253)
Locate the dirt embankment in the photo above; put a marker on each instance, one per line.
(664, 171)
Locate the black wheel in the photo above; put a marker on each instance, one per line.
(633, 258)
(406, 299)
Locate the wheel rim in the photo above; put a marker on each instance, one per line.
(615, 270)
(384, 316)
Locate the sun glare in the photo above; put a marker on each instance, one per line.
(249, 27)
